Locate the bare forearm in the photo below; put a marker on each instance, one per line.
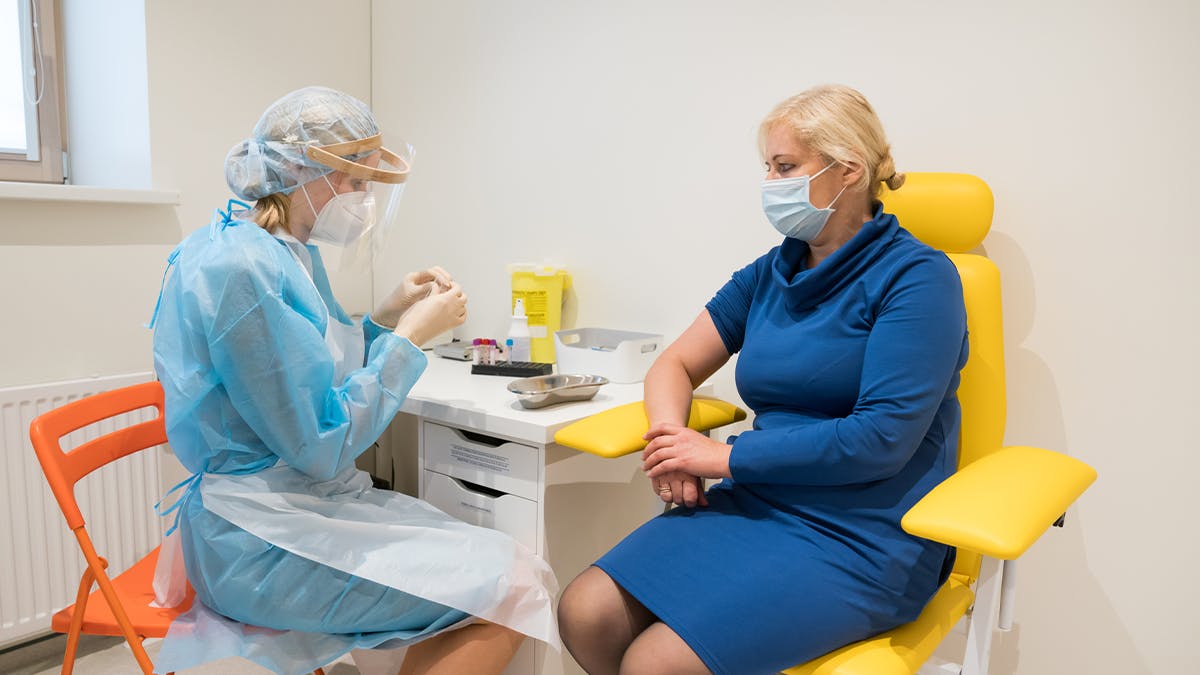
(668, 392)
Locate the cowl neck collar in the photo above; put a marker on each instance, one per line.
(805, 288)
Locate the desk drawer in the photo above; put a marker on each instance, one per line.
(515, 516)
(490, 462)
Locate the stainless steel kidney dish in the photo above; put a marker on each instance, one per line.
(544, 390)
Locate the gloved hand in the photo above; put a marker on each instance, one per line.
(431, 316)
(416, 285)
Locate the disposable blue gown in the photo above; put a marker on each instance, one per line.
(278, 528)
(851, 368)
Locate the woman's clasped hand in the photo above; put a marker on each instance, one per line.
(677, 458)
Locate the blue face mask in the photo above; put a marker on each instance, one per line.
(786, 203)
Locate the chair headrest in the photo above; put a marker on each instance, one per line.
(948, 211)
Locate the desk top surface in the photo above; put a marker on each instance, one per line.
(448, 393)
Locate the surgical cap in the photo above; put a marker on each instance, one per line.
(274, 159)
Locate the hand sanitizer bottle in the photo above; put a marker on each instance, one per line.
(518, 331)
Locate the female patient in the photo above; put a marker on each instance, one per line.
(850, 335)
(272, 391)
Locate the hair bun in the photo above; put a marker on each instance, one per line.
(886, 172)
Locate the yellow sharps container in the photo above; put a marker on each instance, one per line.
(541, 288)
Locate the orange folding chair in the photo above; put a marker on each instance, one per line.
(125, 610)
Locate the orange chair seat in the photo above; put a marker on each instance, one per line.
(136, 590)
(900, 651)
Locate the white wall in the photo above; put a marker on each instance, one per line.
(79, 277)
(618, 139)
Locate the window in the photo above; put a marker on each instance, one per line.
(31, 136)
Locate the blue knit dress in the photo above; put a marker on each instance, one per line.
(851, 369)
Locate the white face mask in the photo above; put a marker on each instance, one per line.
(786, 203)
(344, 218)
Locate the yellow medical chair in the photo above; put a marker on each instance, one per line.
(993, 508)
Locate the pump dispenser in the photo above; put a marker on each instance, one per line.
(518, 332)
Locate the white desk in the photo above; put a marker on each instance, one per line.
(449, 394)
(484, 458)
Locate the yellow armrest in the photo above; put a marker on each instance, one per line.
(616, 432)
(1001, 503)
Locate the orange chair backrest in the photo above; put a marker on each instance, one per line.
(953, 213)
(64, 469)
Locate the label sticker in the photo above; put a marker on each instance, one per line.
(479, 458)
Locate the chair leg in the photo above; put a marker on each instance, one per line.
(68, 665)
(143, 659)
(983, 617)
(97, 565)
(76, 627)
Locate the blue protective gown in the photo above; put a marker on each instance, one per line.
(278, 528)
(851, 369)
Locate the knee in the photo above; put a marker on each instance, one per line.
(577, 608)
(598, 620)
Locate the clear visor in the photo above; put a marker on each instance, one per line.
(370, 183)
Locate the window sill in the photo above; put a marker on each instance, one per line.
(42, 192)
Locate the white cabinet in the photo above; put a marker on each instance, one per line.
(480, 484)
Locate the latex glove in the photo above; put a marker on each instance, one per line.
(431, 316)
(416, 286)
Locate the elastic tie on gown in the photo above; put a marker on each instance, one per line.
(225, 217)
(192, 482)
(220, 218)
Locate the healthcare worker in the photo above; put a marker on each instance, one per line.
(272, 391)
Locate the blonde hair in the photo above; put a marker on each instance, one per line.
(271, 212)
(839, 123)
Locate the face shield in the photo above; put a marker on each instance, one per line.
(367, 187)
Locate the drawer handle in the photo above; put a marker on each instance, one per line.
(480, 438)
(477, 488)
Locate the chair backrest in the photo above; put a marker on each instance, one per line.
(953, 212)
(64, 469)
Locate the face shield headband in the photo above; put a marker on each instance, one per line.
(393, 168)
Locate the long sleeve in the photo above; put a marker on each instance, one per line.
(371, 332)
(912, 356)
(278, 373)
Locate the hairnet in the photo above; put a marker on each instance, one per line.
(274, 159)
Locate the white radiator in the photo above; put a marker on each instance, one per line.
(40, 560)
